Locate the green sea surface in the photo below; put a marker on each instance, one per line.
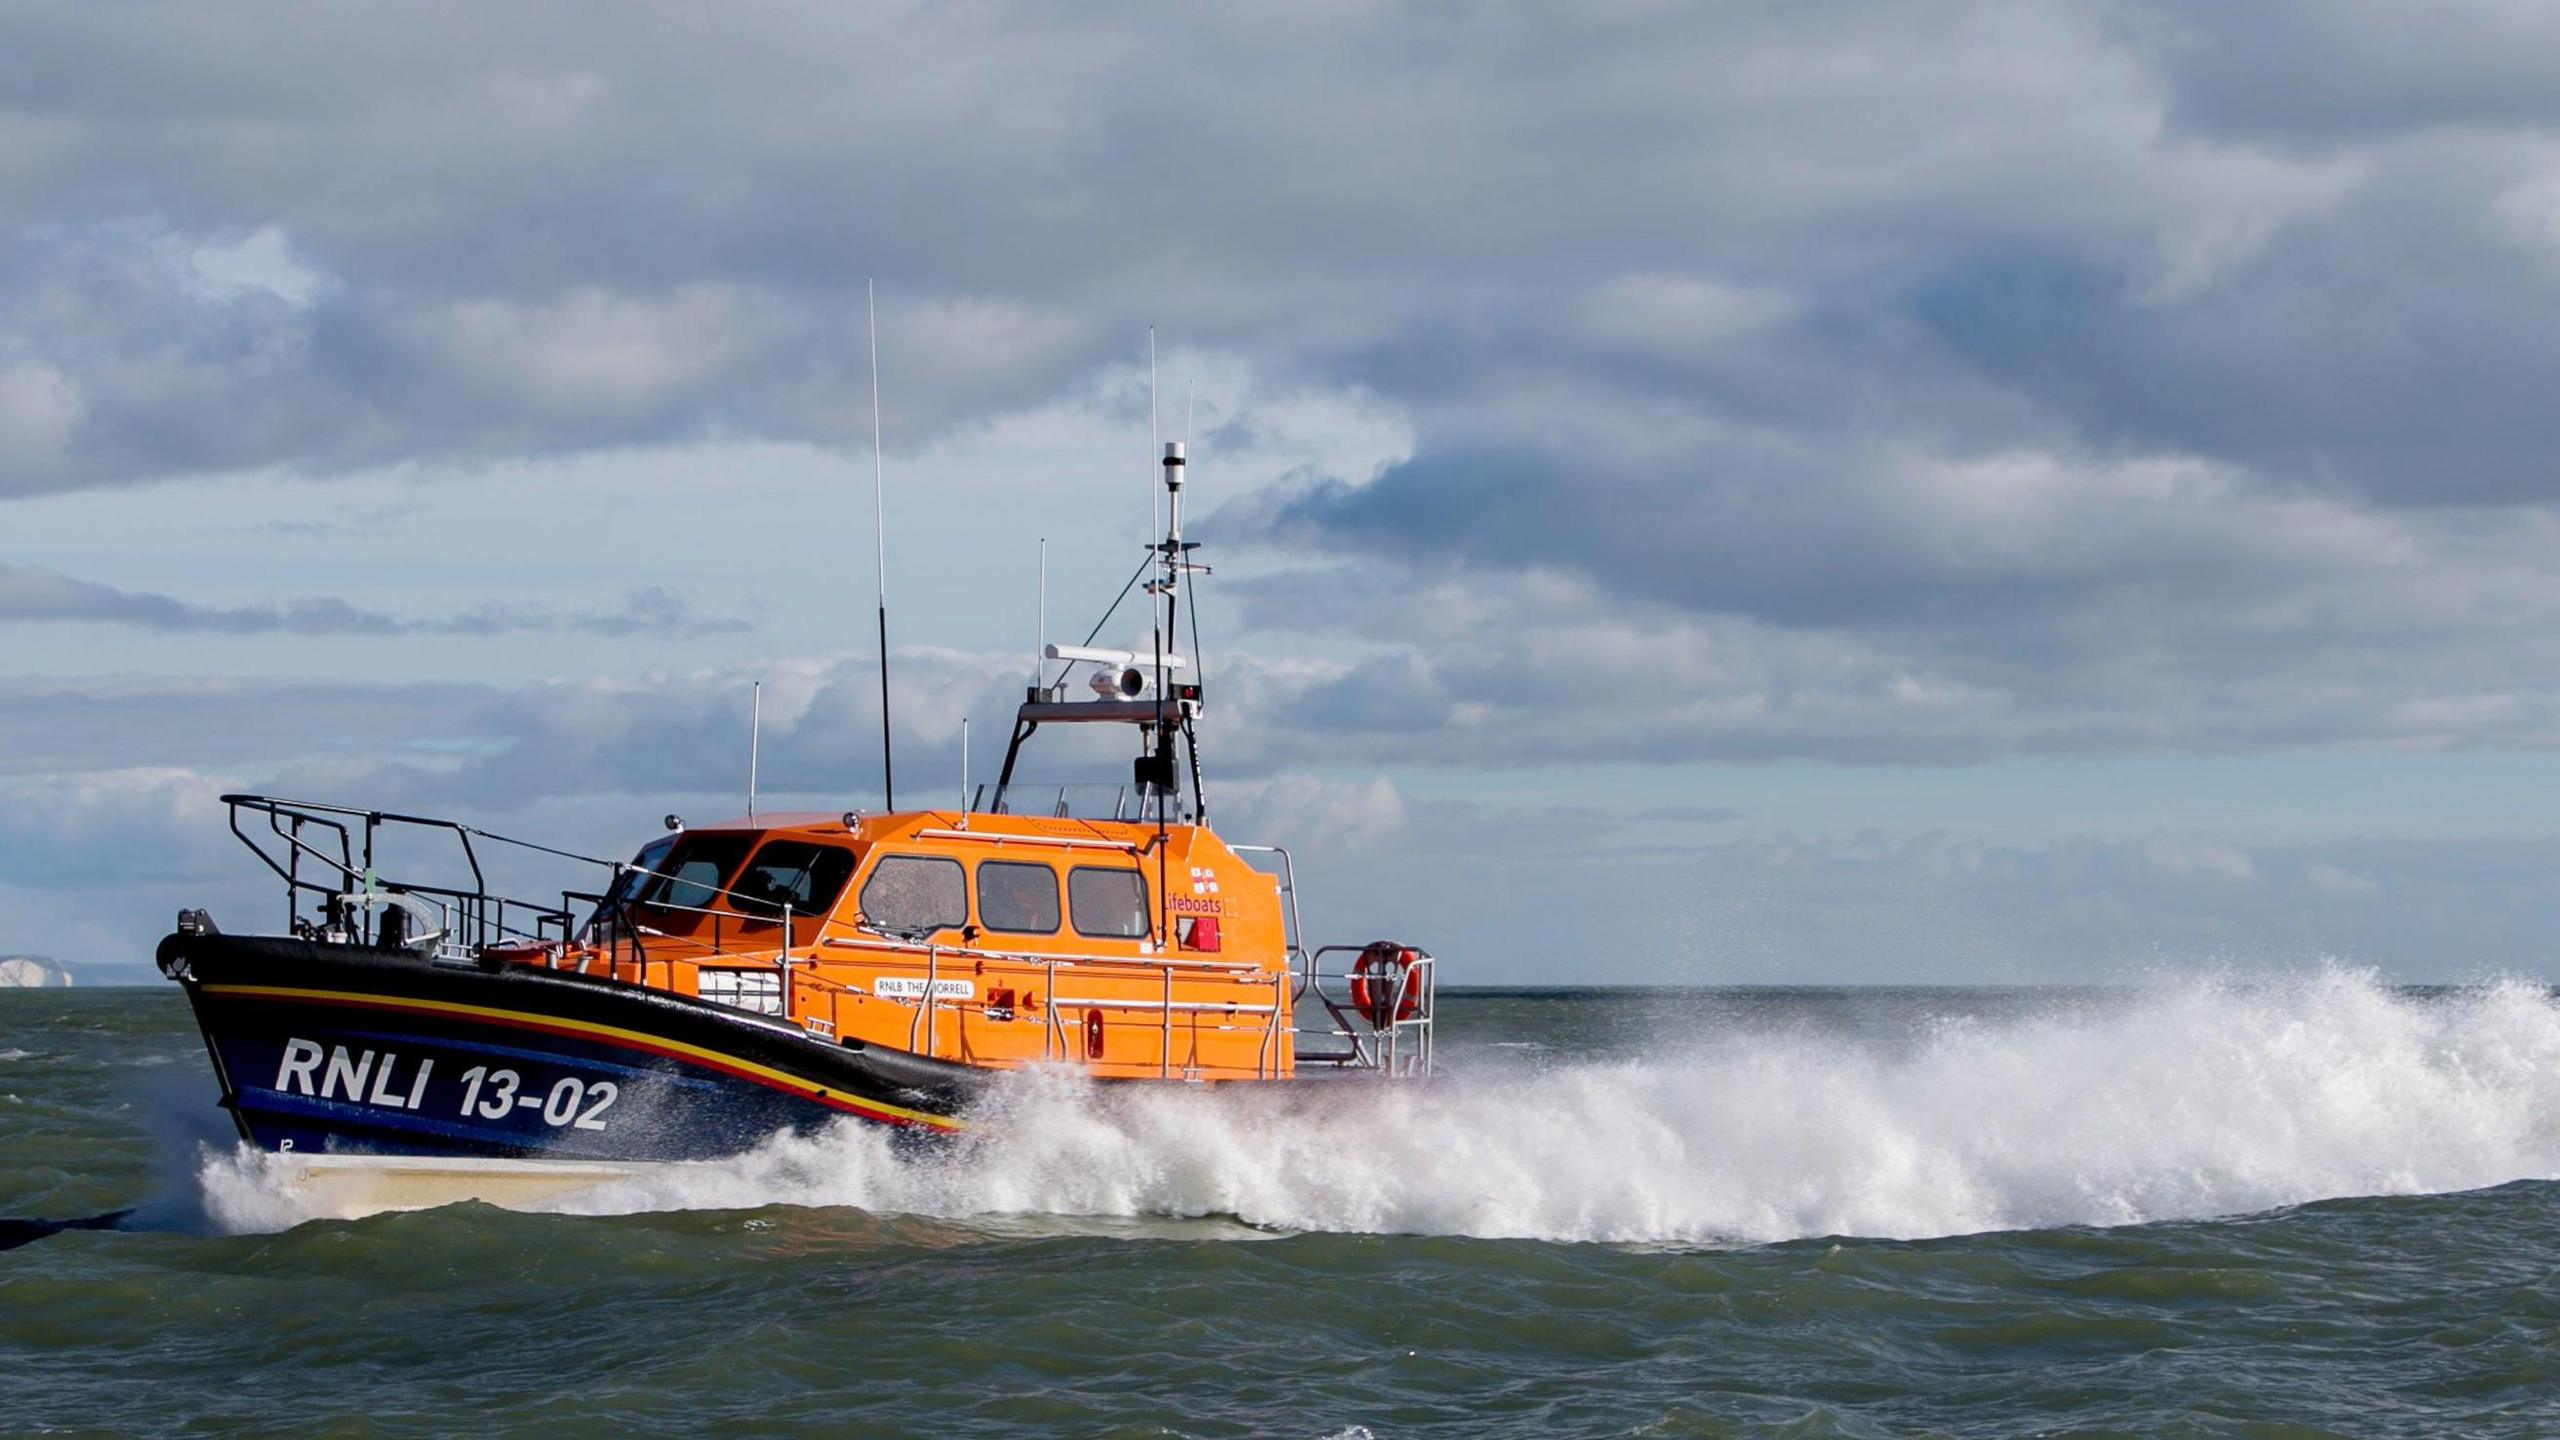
(2319, 1206)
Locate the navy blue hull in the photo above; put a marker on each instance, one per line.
(337, 1050)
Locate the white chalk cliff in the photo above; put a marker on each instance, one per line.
(29, 972)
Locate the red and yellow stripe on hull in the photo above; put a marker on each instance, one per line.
(880, 1111)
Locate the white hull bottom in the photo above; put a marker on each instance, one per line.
(348, 1186)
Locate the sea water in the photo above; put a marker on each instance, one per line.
(2308, 1205)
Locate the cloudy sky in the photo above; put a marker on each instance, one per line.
(1757, 492)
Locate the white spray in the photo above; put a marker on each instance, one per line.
(2195, 1098)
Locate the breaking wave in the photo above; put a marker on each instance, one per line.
(2194, 1098)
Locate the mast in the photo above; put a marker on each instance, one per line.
(1153, 436)
(1168, 780)
(1173, 566)
(1122, 681)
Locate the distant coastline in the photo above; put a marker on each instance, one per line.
(32, 972)
(43, 972)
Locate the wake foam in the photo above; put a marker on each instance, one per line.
(2189, 1099)
(245, 1191)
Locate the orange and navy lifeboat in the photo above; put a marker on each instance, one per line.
(773, 972)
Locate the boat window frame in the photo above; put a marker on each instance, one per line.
(1057, 897)
(666, 879)
(639, 874)
(757, 910)
(1146, 903)
(870, 872)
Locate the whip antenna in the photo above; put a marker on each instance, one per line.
(1154, 511)
(755, 735)
(880, 549)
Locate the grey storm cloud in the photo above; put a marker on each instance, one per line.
(520, 232)
(1919, 382)
(34, 594)
(2352, 69)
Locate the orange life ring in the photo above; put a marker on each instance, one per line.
(1383, 986)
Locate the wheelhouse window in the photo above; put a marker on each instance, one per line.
(1108, 904)
(695, 872)
(1017, 898)
(644, 867)
(794, 873)
(915, 894)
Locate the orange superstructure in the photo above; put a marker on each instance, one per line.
(990, 940)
